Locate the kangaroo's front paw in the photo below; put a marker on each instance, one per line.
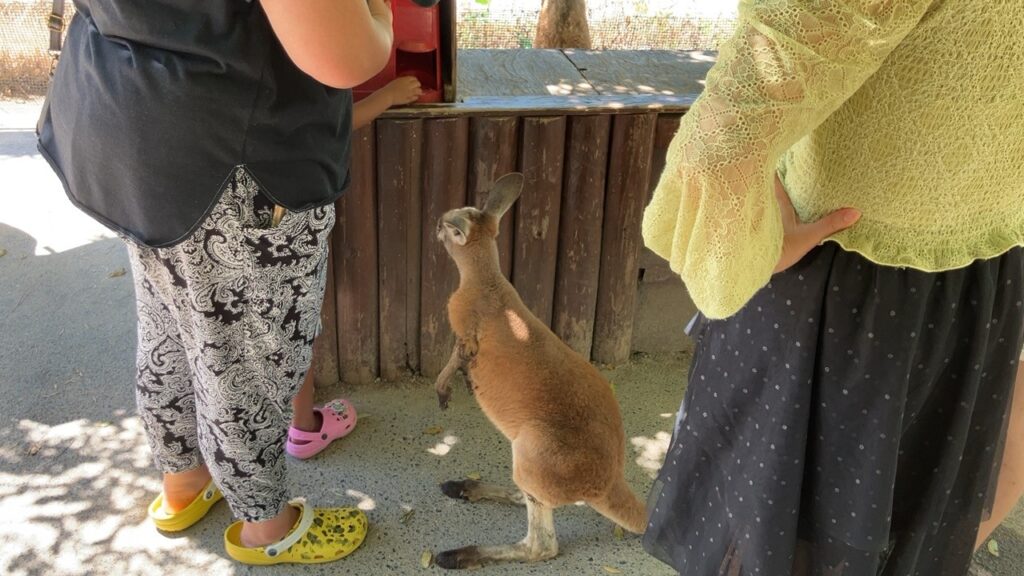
(459, 559)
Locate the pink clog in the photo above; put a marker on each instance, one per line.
(339, 418)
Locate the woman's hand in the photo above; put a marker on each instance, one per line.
(403, 90)
(800, 238)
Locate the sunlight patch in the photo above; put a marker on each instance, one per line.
(518, 326)
(41, 210)
(445, 446)
(651, 451)
(78, 491)
(365, 502)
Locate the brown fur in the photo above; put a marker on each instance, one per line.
(563, 24)
(556, 409)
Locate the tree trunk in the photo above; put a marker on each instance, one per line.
(563, 24)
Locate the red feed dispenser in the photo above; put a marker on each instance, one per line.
(416, 52)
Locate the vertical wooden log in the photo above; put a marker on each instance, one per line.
(355, 266)
(662, 305)
(537, 213)
(449, 49)
(664, 131)
(652, 267)
(325, 347)
(579, 247)
(445, 156)
(492, 152)
(629, 176)
(398, 230)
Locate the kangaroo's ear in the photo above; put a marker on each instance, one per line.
(458, 227)
(503, 194)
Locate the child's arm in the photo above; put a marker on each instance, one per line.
(341, 43)
(404, 90)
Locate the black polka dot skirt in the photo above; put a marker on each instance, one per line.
(847, 422)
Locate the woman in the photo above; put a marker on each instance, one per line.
(213, 136)
(847, 401)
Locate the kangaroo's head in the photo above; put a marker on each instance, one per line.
(471, 231)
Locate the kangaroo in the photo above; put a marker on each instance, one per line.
(559, 413)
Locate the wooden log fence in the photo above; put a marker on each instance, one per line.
(572, 246)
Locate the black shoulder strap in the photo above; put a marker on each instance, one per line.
(56, 26)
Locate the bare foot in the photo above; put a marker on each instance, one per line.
(256, 534)
(311, 421)
(182, 488)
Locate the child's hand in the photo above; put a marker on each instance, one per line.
(403, 90)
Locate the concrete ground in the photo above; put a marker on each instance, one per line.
(75, 475)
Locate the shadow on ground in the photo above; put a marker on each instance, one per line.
(75, 468)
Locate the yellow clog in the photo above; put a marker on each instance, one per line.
(320, 535)
(182, 519)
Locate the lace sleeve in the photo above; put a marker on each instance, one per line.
(789, 65)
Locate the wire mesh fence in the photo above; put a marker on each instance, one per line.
(621, 27)
(25, 62)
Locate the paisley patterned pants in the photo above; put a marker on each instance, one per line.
(227, 320)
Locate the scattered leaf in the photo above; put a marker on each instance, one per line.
(993, 548)
(407, 516)
(474, 476)
(611, 570)
(3, 252)
(426, 559)
(433, 430)
(619, 533)
(34, 449)
(117, 273)
(102, 424)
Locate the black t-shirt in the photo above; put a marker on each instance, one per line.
(155, 103)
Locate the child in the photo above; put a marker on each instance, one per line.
(313, 429)
(856, 247)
